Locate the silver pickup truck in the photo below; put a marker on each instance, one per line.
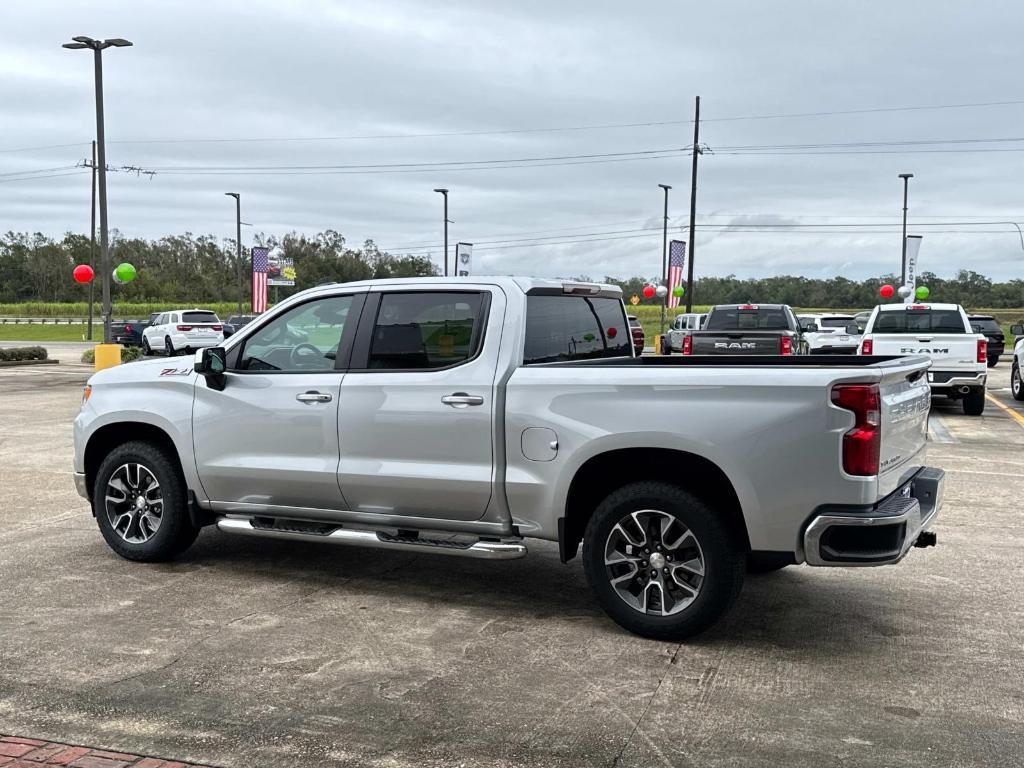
(466, 416)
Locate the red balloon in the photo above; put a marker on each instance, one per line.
(83, 273)
(886, 291)
(648, 291)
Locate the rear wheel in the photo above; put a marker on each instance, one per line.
(168, 347)
(665, 348)
(1016, 385)
(146, 349)
(661, 562)
(140, 504)
(974, 402)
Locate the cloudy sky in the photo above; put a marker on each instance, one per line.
(552, 123)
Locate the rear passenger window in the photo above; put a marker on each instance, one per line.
(427, 330)
(560, 328)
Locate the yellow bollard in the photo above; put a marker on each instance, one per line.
(657, 344)
(107, 356)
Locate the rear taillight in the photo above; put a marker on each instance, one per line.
(184, 327)
(787, 345)
(862, 443)
(867, 347)
(982, 350)
(687, 345)
(218, 327)
(127, 328)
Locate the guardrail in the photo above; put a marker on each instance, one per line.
(51, 320)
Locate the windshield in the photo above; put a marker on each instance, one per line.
(918, 321)
(199, 317)
(736, 319)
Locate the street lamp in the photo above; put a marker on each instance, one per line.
(238, 243)
(664, 258)
(444, 192)
(97, 47)
(906, 181)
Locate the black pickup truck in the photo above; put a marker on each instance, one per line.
(748, 329)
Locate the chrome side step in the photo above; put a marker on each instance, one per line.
(488, 550)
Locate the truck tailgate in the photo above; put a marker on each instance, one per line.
(906, 400)
(736, 342)
(948, 351)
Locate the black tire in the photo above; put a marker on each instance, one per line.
(724, 560)
(665, 348)
(974, 402)
(168, 347)
(1016, 384)
(146, 349)
(992, 361)
(175, 532)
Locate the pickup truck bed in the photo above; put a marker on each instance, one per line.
(466, 417)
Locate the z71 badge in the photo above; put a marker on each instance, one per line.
(176, 372)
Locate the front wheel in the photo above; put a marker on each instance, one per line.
(140, 504)
(974, 402)
(1016, 385)
(661, 562)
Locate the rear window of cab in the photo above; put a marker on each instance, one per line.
(562, 328)
(913, 320)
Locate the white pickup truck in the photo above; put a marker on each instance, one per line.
(942, 333)
(467, 416)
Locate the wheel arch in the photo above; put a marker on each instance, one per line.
(109, 436)
(605, 472)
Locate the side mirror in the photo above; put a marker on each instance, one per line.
(1017, 329)
(853, 329)
(210, 363)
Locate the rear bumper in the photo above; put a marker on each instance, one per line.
(940, 380)
(881, 535)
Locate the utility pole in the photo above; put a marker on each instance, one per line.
(444, 193)
(238, 243)
(92, 242)
(664, 259)
(906, 182)
(693, 208)
(97, 46)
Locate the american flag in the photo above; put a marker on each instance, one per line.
(260, 267)
(676, 267)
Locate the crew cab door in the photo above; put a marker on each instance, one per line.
(269, 440)
(417, 407)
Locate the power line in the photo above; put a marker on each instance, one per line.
(47, 146)
(47, 176)
(38, 170)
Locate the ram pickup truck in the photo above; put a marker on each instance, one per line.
(942, 333)
(469, 416)
(747, 329)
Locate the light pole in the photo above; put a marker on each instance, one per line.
(238, 243)
(444, 192)
(97, 47)
(906, 182)
(664, 258)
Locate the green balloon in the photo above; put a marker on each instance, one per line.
(678, 291)
(124, 272)
(922, 292)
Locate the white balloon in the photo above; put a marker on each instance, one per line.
(661, 291)
(904, 291)
(117, 279)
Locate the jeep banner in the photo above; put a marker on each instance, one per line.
(280, 268)
(463, 259)
(910, 276)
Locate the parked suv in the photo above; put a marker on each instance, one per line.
(829, 334)
(183, 330)
(990, 328)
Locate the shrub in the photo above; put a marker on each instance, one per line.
(128, 354)
(17, 354)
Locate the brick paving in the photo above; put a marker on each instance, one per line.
(19, 752)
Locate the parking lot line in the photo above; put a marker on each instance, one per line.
(1014, 414)
(937, 430)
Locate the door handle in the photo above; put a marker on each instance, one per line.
(461, 400)
(313, 397)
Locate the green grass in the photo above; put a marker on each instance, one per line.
(22, 332)
(134, 311)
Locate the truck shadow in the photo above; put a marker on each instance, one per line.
(798, 608)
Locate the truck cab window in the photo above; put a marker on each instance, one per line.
(426, 330)
(305, 338)
(560, 328)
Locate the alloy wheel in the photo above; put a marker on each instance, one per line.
(654, 562)
(134, 503)
(1015, 382)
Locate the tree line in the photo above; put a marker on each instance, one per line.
(197, 269)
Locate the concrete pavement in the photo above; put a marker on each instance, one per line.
(259, 653)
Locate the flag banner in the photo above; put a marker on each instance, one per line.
(280, 269)
(910, 276)
(260, 268)
(676, 268)
(463, 259)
